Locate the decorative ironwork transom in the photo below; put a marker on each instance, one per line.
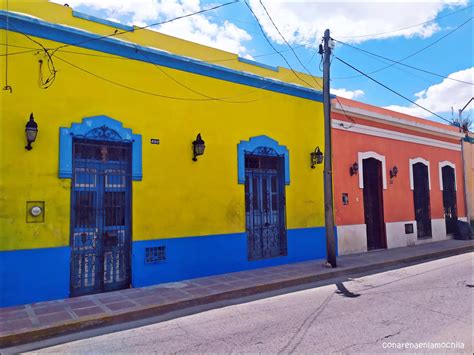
(104, 133)
(265, 151)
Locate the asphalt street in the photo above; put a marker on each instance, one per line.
(421, 308)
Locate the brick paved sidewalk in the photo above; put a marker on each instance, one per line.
(31, 322)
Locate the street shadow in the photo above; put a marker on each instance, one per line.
(343, 291)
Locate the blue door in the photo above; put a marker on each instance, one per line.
(100, 216)
(265, 206)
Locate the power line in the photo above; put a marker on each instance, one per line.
(44, 84)
(406, 65)
(288, 44)
(116, 33)
(150, 62)
(160, 95)
(395, 92)
(414, 53)
(19, 52)
(7, 86)
(273, 47)
(127, 86)
(169, 76)
(119, 57)
(407, 27)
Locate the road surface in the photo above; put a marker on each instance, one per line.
(421, 308)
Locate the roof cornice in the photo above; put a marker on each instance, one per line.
(81, 38)
(396, 121)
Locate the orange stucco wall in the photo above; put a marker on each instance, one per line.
(398, 198)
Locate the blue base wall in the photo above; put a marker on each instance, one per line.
(193, 257)
(35, 275)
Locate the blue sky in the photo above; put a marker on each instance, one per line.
(234, 28)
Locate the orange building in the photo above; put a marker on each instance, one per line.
(398, 179)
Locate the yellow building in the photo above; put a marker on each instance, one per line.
(113, 192)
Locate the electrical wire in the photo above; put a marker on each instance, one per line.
(273, 47)
(117, 33)
(44, 84)
(169, 76)
(16, 53)
(127, 86)
(289, 46)
(410, 73)
(406, 65)
(414, 53)
(157, 94)
(148, 60)
(395, 92)
(7, 86)
(407, 27)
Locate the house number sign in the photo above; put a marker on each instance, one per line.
(154, 141)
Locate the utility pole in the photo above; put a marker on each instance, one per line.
(328, 195)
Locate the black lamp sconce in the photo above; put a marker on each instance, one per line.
(316, 157)
(198, 147)
(31, 131)
(393, 172)
(354, 169)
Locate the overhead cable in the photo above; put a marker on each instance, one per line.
(405, 65)
(388, 88)
(273, 47)
(414, 53)
(407, 27)
(288, 44)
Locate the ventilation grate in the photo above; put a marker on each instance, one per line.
(155, 255)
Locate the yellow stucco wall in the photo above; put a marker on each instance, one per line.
(177, 196)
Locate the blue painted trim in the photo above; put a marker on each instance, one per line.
(254, 143)
(84, 39)
(257, 64)
(34, 275)
(192, 257)
(101, 21)
(88, 124)
(43, 274)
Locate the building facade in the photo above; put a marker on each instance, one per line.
(113, 192)
(398, 179)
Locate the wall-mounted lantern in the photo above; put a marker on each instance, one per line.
(354, 169)
(198, 147)
(393, 172)
(316, 157)
(31, 131)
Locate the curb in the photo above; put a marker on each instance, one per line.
(151, 311)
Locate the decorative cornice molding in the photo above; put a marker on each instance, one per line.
(386, 133)
(84, 39)
(395, 121)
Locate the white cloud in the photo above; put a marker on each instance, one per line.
(198, 28)
(304, 21)
(348, 94)
(441, 97)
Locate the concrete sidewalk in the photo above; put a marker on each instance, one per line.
(33, 322)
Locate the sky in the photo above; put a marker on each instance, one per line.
(436, 36)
